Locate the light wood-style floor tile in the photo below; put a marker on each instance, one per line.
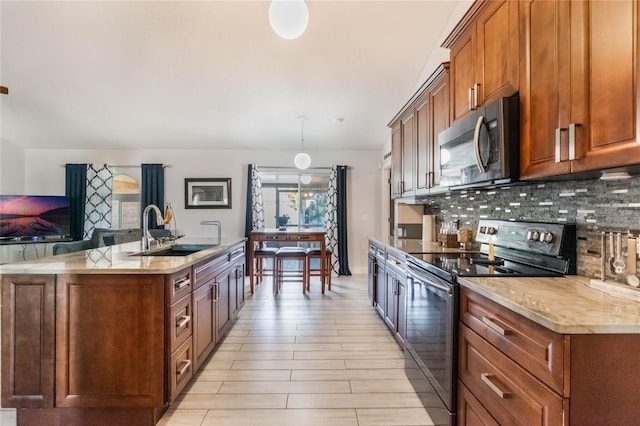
(362, 400)
(374, 363)
(175, 417)
(243, 355)
(228, 401)
(342, 417)
(376, 355)
(378, 374)
(301, 386)
(393, 417)
(382, 386)
(259, 347)
(244, 375)
(288, 365)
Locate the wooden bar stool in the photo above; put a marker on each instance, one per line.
(297, 254)
(261, 258)
(324, 271)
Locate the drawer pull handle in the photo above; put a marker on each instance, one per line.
(486, 378)
(184, 320)
(185, 366)
(182, 283)
(495, 327)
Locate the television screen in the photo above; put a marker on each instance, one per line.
(32, 216)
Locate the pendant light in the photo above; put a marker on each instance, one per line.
(288, 18)
(302, 159)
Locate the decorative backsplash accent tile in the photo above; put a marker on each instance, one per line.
(593, 205)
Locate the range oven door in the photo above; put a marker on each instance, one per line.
(432, 341)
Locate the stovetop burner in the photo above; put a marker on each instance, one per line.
(528, 249)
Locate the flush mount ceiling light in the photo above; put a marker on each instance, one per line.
(288, 18)
(614, 176)
(305, 179)
(302, 159)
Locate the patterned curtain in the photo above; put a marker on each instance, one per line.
(335, 224)
(331, 219)
(254, 219)
(98, 198)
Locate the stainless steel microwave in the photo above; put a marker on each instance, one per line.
(483, 147)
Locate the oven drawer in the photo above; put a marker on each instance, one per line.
(508, 392)
(537, 349)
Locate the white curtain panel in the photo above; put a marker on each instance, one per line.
(257, 207)
(98, 202)
(331, 219)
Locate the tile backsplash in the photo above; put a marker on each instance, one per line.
(593, 205)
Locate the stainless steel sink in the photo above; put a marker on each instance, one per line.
(176, 250)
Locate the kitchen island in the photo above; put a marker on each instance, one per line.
(110, 336)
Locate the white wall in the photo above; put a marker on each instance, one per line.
(12, 174)
(45, 176)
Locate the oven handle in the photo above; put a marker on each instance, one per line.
(413, 274)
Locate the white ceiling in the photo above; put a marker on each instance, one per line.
(209, 74)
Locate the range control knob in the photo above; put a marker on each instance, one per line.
(483, 229)
(533, 235)
(491, 230)
(547, 237)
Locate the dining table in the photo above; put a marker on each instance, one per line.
(308, 236)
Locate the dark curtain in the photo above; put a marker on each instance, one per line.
(341, 212)
(76, 190)
(152, 191)
(248, 218)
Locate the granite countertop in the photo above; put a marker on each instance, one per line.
(567, 305)
(409, 245)
(119, 259)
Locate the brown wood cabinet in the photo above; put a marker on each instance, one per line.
(111, 349)
(28, 305)
(578, 86)
(484, 55)
(415, 150)
(518, 372)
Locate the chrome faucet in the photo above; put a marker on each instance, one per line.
(146, 237)
(216, 223)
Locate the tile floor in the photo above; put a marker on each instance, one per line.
(300, 360)
(303, 360)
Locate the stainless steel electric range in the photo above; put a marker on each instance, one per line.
(526, 249)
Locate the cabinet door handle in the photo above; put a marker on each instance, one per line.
(183, 368)
(572, 140)
(476, 90)
(181, 283)
(470, 98)
(184, 320)
(495, 327)
(486, 378)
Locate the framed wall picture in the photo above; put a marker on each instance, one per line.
(207, 193)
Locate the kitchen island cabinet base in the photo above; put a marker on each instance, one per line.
(88, 416)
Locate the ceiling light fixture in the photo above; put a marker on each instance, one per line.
(302, 159)
(288, 18)
(305, 179)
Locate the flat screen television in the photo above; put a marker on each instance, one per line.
(34, 216)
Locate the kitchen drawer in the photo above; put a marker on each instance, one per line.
(269, 237)
(470, 411)
(180, 322)
(298, 237)
(179, 285)
(204, 271)
(236, 254)
(180, 369)
(537, 349)
(508, 392)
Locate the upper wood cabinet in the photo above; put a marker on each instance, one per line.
(484, 55)
(414, 137)
(578, 86)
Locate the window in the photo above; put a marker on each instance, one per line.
(302, 197)
(125, 202)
